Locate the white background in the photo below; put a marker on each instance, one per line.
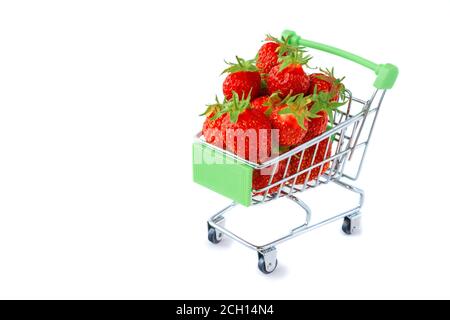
(99, 101)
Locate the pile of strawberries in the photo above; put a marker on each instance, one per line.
(271, 92)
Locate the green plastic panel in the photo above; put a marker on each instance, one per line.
(222, 174)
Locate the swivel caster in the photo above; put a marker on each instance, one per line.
(352, 223)
(215, 236)
(267, 260)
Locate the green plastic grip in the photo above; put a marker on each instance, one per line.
(386, 73)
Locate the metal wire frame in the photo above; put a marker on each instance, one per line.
(215, 220)
(342, 140)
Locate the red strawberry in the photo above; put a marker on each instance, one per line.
(261, 178)
(247, 131)
(212, 124)
(266, 102)
(243, 79)
(289, 77)
(307, 161)
(291, 119)
(320, 82)
(316, 126)
(323, 105)
(267, 57)
(269, 54)
(258, 104)
(211, 131)
(327, 82)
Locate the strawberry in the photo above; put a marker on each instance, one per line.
(327, 82)
(291, 118)
(266, 103)
(316, 126)
(270, 52)
(243, 79)
(267, 57)
(261, 179)
(319, 81)
(307, 161)
(259, 104)
(292, 79)
(323, 104)
(211, 126)
(289, 76)
(247, 131)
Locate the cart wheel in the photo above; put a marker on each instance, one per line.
(346, 226)
(267, 260)
(213, 235)
(351, 224)
(262, 266)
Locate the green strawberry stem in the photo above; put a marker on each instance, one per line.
(323, 102)
(234, 107)
(293, 58)
(273, 101)
(213, 108)
(298, 107)
(285, 47)
(288, 53)
(241, 65)
(337, 86)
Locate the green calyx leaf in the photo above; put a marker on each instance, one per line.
(273, 101)
(298, 106)
(240, 65)
(235, 106)
(301, 120)
(337, 86)
(289, 54)
(284, 47)
(323, 101)
(293, 58)
(283, 149)
(268, 112)
(329, 73)
(263, 84)
(234, 115)
(283, 44)
(280, 149)
(285, 110)
(214, 108)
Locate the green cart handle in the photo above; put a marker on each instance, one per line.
(386, 73)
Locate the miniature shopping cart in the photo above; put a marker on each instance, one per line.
(350, 132)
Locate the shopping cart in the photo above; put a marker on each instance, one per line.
(350, 133)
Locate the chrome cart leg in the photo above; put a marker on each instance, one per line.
(267, 253)
(352, 223)
(214, 235)
(305, 207)
(267, 260)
